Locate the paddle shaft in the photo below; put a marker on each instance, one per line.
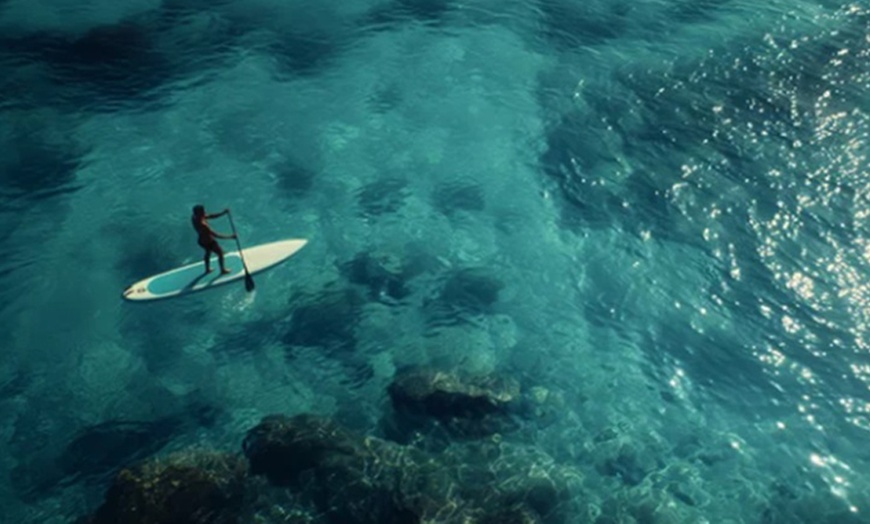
(249, 280)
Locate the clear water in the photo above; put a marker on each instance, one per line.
(672, 195)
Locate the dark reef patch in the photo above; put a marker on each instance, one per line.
(570, 25)
(15, 384)
(305, 53)
(194, 487)
(100, 450)
(696, 12)
(92, 455)
(107, 68)
(352, 478)
(453, 197)
(248, 338)
(600, 190)
(129, 65)
(358, 374)
(465, 292)
(628, 466)
(34, 166)
(448, 395)
(50, 458)
(294, 178)
(385, 98)
(382, 196)
(327, 321)
(383, 276)
(400, 11)
(424, 400)
(143, 257)
(571, 152)
(447, 404)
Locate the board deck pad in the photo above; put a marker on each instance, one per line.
(192, 277)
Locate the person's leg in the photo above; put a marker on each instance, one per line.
(207, 260)
(220, 253)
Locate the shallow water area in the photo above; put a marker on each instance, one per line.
(623, 243)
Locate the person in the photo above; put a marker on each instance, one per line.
(208, 236)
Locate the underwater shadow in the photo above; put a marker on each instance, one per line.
(396, 12)
(37, 169)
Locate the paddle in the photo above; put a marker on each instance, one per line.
(249, 280)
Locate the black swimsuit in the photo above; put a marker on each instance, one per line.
(210, 244)
(205, 240)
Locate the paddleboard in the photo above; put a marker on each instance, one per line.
(192, 278)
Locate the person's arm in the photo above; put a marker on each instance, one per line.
(216, 215)
(218, 235)
(214, 233)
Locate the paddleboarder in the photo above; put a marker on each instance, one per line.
(208, 236)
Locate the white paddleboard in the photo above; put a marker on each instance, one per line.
(192, 277)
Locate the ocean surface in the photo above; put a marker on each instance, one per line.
(656, 211)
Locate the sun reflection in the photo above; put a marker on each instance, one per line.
(801, 284)
(835, 473)
(859, 411)
(773, 357)
(813, 237)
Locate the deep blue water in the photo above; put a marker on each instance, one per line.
(655, 210)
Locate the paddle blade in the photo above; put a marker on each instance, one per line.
(249, 282)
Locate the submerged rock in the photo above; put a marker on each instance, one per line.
(447, 394)
(467, 405)
(105, 447)
(355, 479)
(382, 275)
(341, 472)
(472, 289)
(327, 320)
(194, 487)
(93, 455)
(383, 197)
(282, 448)
(452, 198)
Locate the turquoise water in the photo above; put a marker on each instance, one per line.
(669, 197)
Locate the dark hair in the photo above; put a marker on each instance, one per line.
(198, 210)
